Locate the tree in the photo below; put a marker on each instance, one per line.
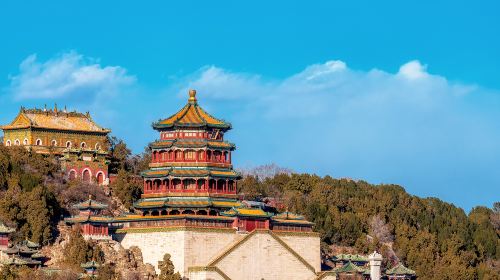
(167, 270)
(78, 250)
(119, 153)
(125, 188)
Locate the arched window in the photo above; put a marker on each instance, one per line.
(8, 143)
(17, 142)
(68, 144)
(25, 141)
(86, 175)
(38, 142)
(72, 174)
(100, 178)
(53, 143)
(83, 145)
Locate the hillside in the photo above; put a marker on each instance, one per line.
(435, 238)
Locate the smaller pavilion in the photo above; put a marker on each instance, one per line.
(5, 232)
(351, 271)
(25, 253)
(93, 224)
(90, 269)
(342, 259)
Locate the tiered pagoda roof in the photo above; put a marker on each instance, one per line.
(192, 116)
(193, 143)
(55, 120)
(191, 172)
(186, 202)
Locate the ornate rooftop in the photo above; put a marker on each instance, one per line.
(191, 116)
(54, 119)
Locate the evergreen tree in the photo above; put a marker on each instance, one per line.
(125, 188)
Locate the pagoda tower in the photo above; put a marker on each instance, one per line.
(191, 171)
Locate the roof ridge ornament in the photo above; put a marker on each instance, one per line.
(192, 96)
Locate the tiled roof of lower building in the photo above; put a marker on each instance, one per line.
(400, 269)
(349, 267)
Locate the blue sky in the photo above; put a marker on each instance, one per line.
(404, 92)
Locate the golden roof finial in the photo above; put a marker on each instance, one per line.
(192, 96)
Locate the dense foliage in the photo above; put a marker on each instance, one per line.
(437, 239)
(78, 250)
(27, 198)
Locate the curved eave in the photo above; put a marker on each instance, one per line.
(95, 220)
(211, 173)
(136, 218)
(291, 222)
(176, 125)
(8, 127)
(167, 204)
(169, 144)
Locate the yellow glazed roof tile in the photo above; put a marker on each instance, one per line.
(55, 120)
(192, 115)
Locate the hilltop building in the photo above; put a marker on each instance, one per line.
(79, 142)
(190, 209)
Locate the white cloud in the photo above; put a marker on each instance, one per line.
(69, 75)
(409, 127)
(413, 70)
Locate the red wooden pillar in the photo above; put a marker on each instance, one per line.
(229, 156)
